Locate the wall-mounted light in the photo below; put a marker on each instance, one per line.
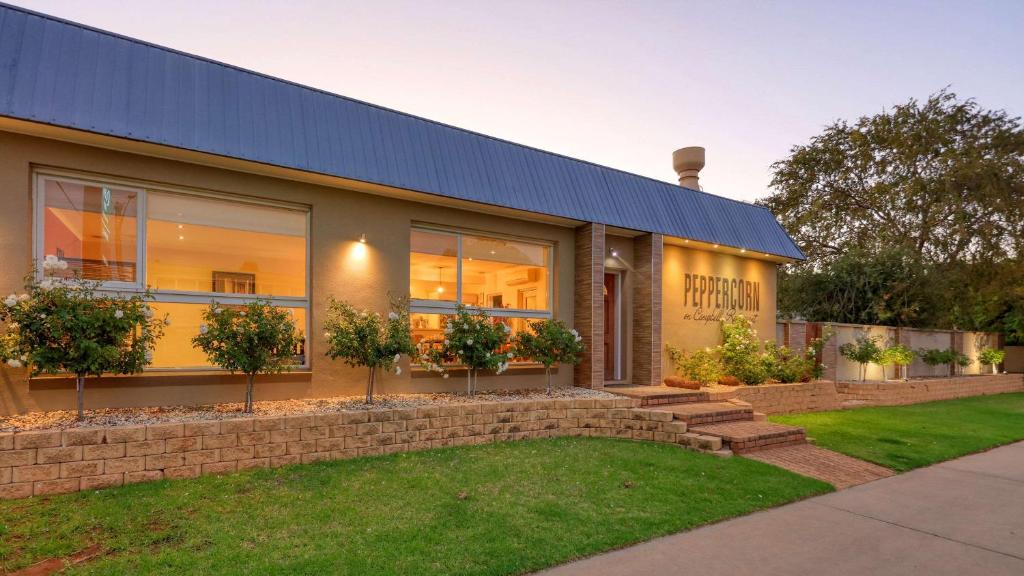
(715, 246)
(614, 253)
(362, 238)
(743, 250)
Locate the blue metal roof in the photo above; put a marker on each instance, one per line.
(69, 75)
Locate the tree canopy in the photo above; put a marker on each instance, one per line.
(913, 216)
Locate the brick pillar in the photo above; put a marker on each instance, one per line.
(647, 258)
(796, 336)
(830, 355)
(588, 304)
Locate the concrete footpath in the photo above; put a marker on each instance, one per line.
(962, 517)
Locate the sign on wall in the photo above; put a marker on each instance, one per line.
(712, 299)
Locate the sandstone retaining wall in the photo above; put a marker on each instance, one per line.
(36, 463)
(930, 390)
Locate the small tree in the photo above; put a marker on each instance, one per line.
(362, 338)
(550, 342)
(65, 326)
(936, 357)
(991, 357)
(254, 338)
(962, 361)
(863, 351)
(896, 355)
(475, 341)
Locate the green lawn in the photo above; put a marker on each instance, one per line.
(503, 508)
(907, 437)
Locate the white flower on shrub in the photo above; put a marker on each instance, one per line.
(11, 301)
(397, 357)
(14, 363)
(167, 321)
(506, 328)
(47, 284)
(392, 316)
(23, 298)
(118, 314)
(242, 313)
(147, 312)
(149, 356)
(445, 375)
(327, 335)
(398, 370)
(510, 355)
(218, 310)
(203, 329)
(469, 342)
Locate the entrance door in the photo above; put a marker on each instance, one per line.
(611, 326)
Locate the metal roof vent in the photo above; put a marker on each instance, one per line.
(688, 163)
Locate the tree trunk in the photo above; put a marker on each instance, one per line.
(80, 390)
(547, 371)
(370, 381)
(250, 381)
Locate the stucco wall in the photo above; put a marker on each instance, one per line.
(338, 218)
(682, 322)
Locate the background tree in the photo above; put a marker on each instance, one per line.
(254, 338)
(362, 338)
(63, 325)
(549, 342)
(888, 205)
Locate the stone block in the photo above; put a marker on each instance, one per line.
(143, 476)
(144, 448)
(77, 469)
(124, 465)
(220, 467)
(52, 487)
(56, 455)
(161, 461)
(82, 436)
(35, 473)
(102, 451)
(164, 431)
(37, 439)
(101, 481)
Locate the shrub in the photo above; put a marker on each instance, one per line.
(475, 341)
(896, 355)
(366, 339)
(991, 357)
(549, 342)
(740, 351)
(66, 326)
(864, 350)
(254, 338)
(781, 364)
(702, 366)
(937, 357)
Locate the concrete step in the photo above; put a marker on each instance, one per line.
(749, 436)
(697, 413)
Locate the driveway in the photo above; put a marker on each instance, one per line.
(962, 517)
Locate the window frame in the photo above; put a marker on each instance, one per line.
(448, 307)
(115, 288)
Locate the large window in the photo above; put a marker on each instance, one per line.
(189, 249)
(509, 279)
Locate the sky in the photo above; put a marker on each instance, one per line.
(617, 83)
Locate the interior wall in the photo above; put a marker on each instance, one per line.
(364, 274)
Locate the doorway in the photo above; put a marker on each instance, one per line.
(612, 326)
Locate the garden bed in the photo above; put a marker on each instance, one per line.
(106, 417)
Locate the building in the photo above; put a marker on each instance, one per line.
(146, 167)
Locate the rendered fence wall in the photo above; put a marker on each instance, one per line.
(796, 334)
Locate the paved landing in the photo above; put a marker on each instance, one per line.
(959, 518)
(837, 469)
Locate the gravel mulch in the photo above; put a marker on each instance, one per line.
(162, 414)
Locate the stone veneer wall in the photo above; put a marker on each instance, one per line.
(37, 463)
(928, 390)
(588, 304)
(826, 395)
(648, 257)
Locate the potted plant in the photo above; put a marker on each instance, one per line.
(254, 338)
(991, 357)
(65, 325)
(366, 339)
(473, 340)
(550, 342)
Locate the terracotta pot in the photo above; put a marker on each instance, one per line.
(677, 382)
